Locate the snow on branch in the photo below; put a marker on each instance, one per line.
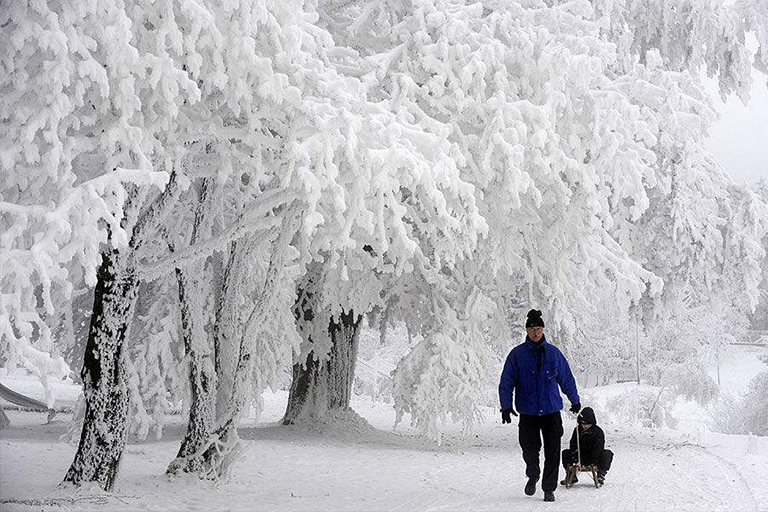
(253, 220)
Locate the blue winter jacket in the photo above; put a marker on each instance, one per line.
(534, 377)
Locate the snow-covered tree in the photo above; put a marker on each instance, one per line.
(698, 224)
(395, 207)
(524, 96)
(362, 175)
(689, 35)
(273, 171)
(566, 137)
(70, 156)
(265, 101)
(82, 118)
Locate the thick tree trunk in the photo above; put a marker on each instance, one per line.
(106, 396)
(322, 386)
(106, 413)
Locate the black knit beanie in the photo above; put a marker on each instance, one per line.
(534, 319)
(587, 416)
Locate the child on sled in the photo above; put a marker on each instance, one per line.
(592, 442)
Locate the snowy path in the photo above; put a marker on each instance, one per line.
(294, 469)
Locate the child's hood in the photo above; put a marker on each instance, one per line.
(587, 415)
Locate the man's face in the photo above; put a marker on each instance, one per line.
(535, 333)
(586, 426)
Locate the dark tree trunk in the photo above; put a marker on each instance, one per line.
(106, 397)
(319, 387)
(106, 411)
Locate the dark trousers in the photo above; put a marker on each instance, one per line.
(532, 429)
(603, 460)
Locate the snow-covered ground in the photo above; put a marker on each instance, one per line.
(353, 466)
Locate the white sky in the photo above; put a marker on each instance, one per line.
(739, 139)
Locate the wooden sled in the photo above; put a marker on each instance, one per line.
(574, 469)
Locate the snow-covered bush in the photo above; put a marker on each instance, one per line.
(439, 379)
(727, 415)
(642, 407)
(756, 405)
(688, 379)
(678, 348)
(747, 414)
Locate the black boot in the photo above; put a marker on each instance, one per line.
(549, 496)
(575, 479)
(530, 487)
(600, 479)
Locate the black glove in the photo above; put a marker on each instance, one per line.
(505, 415)
(575, 408)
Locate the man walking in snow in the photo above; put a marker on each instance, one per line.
(534, 372)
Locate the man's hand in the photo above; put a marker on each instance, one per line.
(575, 408)
(505, 415)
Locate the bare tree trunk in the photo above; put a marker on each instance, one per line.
(106, 410)
(322, 386)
